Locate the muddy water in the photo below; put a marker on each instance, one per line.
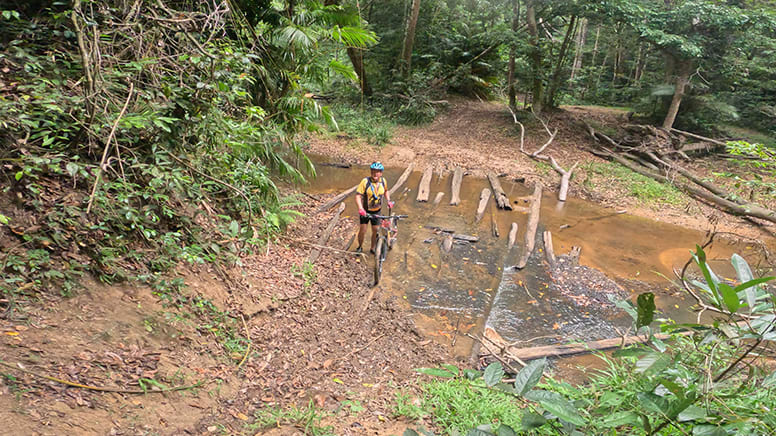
(475, 285)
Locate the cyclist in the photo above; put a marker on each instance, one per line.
(369, 198)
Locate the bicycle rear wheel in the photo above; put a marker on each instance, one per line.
(379, 257)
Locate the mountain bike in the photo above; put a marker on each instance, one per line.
(386, 237)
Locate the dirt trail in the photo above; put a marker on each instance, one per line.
(481, 136)
(313, 340)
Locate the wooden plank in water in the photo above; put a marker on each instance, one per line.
(456, 190)
(484, 197)
(333, 202)
(403, 178)
(512, 236)
(438, 198)
(533, 223)
(424, 187)
(326, 234)
(501, 197)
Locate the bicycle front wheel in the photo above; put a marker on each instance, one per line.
(379, 259)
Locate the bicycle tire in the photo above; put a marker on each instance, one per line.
(378, 269)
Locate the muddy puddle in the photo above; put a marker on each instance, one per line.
(475, 285)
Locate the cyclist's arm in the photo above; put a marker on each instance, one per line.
(387, 194)
(360, 201)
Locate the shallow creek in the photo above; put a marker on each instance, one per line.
(474, 285)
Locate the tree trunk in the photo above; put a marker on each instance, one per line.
(592, 61)
(456, 187)
(512, 50)
(580, 48)
(357, 59)
(564, 48)
(537, 92)
(424, 188)
(409, 38)
(682, 78)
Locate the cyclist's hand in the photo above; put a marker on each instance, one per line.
(390, 204)
(362, 212)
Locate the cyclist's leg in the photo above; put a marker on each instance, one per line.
(363, 221)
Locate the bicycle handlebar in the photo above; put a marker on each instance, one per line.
(385, 217)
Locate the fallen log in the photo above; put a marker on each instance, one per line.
(712, 194)
(498, 193)
(512, 236)
(750, 210)
(493, 224)
(447, 243)
(438, 198)
(456, 188)
(326, 234)
(580, 347)
(457, 236)
(484, 197)
(425, 184)
(403, 178)
(530, 230)
(699, 137)
(548, 250)
(334, 201)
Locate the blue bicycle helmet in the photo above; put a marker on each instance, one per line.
(377, 166)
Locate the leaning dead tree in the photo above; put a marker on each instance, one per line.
(653, 152)
(565, 175)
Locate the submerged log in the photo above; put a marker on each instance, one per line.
(333, 202)
(425, 184)
(498, 193)
(493, 223)
(512, 236)
(447, 243)
(403, 178)
(548, 250)
(326, 234)
(456, 188)
(530, 230)
(438, 198)
(484, 197)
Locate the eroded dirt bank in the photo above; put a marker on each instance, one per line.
(315, 337)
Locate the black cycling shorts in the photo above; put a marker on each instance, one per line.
(374, 220)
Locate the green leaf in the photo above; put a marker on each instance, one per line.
(505, 430)
(621, 418)
(471, 374)
(72, 168)
(729, 296)
(770, 380)
(744, 274)
(527, 378)
(652, 363)
(691, 413)
(4, 219)
(564, 410)
(478, 432)
(19, 174)
(557, 405)
(653, 403)
(437, 372)
(708, 430)
(645, 306)
(493, 374)
(452, 368)
(531, 421)
(711, 279)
